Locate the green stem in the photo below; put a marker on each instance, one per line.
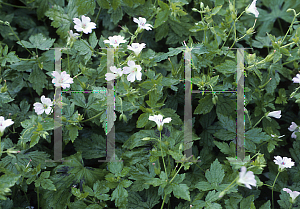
(97, 15)
(231, 29)
(29, 90)
(280, 26)
(162, 155)
(11, 5)
(287, 45)
(258, 121)
(162, 205)
(176, 173)
(249, 119)
(273, 188)
(89, 118)
(289, 29)
(8, 24)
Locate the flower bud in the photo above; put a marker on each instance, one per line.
(124, 118)
(201, 5)
(250, 31)
(233, 15)
(231, 7)
(157, 170)
(41, 65)
(4, 88)
(269, 58)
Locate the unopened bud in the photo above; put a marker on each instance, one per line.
(201, 5)
(4, 88)
(250, 31)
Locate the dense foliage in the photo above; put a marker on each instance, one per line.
(149, 80)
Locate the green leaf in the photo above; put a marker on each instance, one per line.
(38, 80)
(104, 4)
(120, 196)
(85, 6)
(7, 180)
(205, 105)
(228, 67)
(60, 20)
(161, 18)
(224, 148)
(115, 4)
(228, 123)
(93, 40)
(160, 33)
(142, 120)
(204, 186)
(256, 135)
(48, 184)
(126, 183)
(248, 202)
(115, 167)
(216, 173)
(267, 205)
(116, 15)
(73, 131)
(181, 191)
(281, 99)
(5, 98)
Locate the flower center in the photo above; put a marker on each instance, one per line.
(282, 163)
(83, 26)
(45, 106)
(0, 124)
(116, 42)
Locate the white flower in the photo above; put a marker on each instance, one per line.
(294, 127)
(44, 106)
(134, 70)
(293, 194)
(61, 80)
(274, 136)
(283, 162)
(4, 124)
(142, 23)
(252, 9)
(117, 72)
(85, 25)
(275, 114)
(296, 79)
(115, 40)
(247, 178)
(158, 119)
(73, 35)
(136, 48)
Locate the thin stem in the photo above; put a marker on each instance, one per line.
(162, 154)
(97, 15)
(11, 5)
(258, 122)
(249, 119)
(280, 26)
(176, 173)
(8, 24)
(29, 90)
(289, 29)
(273, 188)
(162, 205)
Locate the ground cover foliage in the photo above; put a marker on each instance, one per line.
(148, 175)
